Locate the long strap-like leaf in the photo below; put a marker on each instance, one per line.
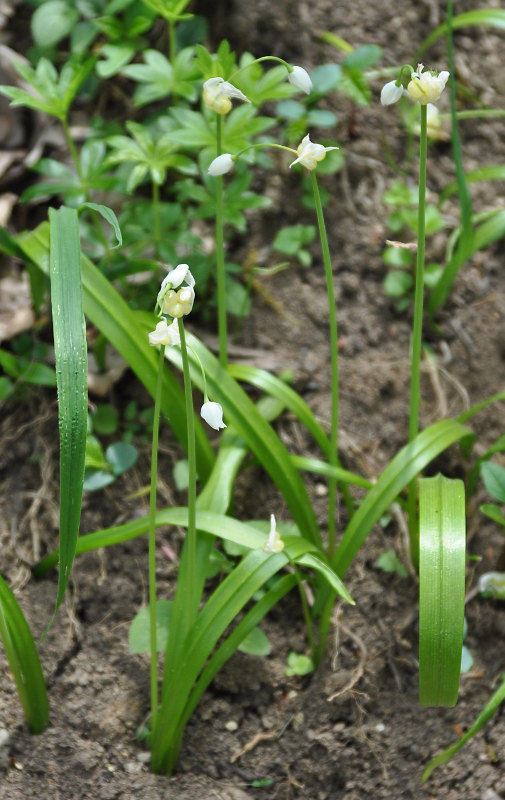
(23, 660)
(441, 589)
(70, 352)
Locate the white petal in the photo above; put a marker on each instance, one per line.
(221, 165)
(300, 79)
(212, 413)
(391, 93)
(177, 276)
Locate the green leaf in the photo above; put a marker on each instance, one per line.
(493, 476)
(398, 283)
(255, 643)
(299, 664)
(487, 712)
(23, 660)
(494, 512)
(441, 589)
(404, 467)
(109, 215)
(71, 372)
(181, 475)
(138, 635)
(115, 57)
(389, 562)
(363, 57)
(120, 457)
(52, 21)
(105, 420)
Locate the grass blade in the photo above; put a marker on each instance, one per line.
(441, 589)
(492, 17)
(70, 352)
(485, 715)
(23, 660)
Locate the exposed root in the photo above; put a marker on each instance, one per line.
(359, 670)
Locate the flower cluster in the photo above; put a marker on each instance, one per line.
(177, 301)
(423, 88)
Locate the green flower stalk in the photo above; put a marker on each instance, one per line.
(424, 88)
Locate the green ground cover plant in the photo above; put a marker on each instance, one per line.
(202, 121)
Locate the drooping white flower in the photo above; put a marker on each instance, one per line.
(212, 413)
(221, 165)
(426, 87)
(310, 153)
(300, 79)
(165, 334)
(217, 95)
(391, 93)
(274, 543)
(177, 303)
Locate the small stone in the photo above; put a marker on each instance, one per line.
(321, 490)
(231, 725)
(144, 757)
(380, 727)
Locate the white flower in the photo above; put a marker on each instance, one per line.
(179, 303)
(309, 153)
(391, 93)
(274, 543)
(426, 87)
(221, 165)
(217, 94)
(300, 79)
(165, 334)
(212, 413)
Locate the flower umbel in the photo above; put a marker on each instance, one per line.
(309, 153)
(165, 334)
(217, 95)
(426, 87)
(300, 79)
(274, 543)
(212, 413)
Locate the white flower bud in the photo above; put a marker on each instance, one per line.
(309, 153)
(212, 413)
(179, 303)
(217, 94)
(300, 79)
(391, 93)
(221, 165)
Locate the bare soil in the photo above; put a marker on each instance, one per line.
(355, 728)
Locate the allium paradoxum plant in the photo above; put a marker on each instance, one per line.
(217, 96)
(175, 299)
(423, 87)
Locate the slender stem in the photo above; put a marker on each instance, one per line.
(190, 421)
(221, 274)
(417, 336)
(152, 542)
(257, 61)
(333, 455)
(306, 612)
(172, 47)
(156, 215)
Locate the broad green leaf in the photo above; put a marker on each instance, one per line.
(487, 712)
(121, 456)
(70, 352)
(52, 21)
(493, 477)
(23, 660)
(138, 635)
(255, 643)
(441, 589)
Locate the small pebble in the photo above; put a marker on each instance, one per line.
(231, 725)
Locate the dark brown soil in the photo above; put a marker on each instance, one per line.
(301, 735)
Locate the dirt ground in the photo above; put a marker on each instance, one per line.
(355, 728)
